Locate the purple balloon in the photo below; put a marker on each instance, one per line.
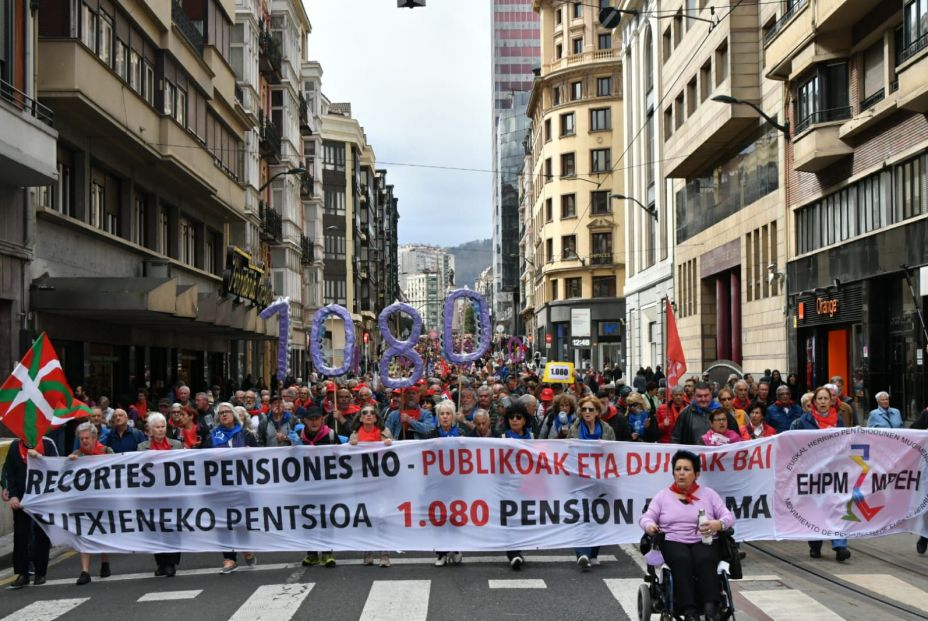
(515, 344)
(484, 326)
(318, 331)
(400, 349)
(281, 308)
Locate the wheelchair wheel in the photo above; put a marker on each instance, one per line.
(644, 602)
(728, 602)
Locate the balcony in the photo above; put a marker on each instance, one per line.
(192, 30)
(601, 258)
(817, 143)
(771, 33)
(307, 185)
(272, 224)
(269, 143)
(305, 128)
(239, 94)
(269, 57)
(912, 76)
(595, 56)
(307, 250)
(28, 145)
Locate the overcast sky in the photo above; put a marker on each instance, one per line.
(419, 82)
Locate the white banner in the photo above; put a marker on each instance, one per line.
(462, 494)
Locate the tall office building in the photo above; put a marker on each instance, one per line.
(516, 53)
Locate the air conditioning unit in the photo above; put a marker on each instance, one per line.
(156, 269)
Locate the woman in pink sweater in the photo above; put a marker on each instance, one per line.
(719, 434)
(675, 512)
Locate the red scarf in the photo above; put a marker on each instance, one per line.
(413, 414)
(610, 414)
(190, 437)
(828, 421)
(99, 449)
(374, 435)
(688, 495)
(163, 445)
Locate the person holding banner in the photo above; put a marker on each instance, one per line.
(167, 562)
(88, 444)
(824, 415)
(447, 429)
(370, 428)
(342, 418)
(516, 427)
(411, 422)
(675, 511)
(316, 433)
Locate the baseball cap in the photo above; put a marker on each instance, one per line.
(547, 394)
(310, 412)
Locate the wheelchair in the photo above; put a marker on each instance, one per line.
(655, 596)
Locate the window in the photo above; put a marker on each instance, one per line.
(677, 28)
(569, 247)
(556, 96)
(599, 203)
(705, 80)
(333, 156)
(558, 51)
(873, 75)
(601, 248)
(600, 119)
(105, 38)
(187, 248)
(549, 173)
(121, 60)
(164, 230)
(568, 127)
(180, 107)
(547, 130)
(168, 99)
(334, 204)
(678, 117)
(577, 10)
(576, 45)
(553, 289)
(549, 250)
(667, 43)
(558, 17)
(89, 27)
(603, 87)
(549, 209)
(568, 165)
(649, 150)
(823, 95)
(605, 41)
(691, 10)
(572, 287)
(140, 234)
(568, 205)
(915, 28)
(721, 63)
(600, 160)
(148, 83)
(576, 91)
(668, 123)
(603, 286)
(648, 61)
(135, 71)
(97, 198)
(691, 100)
(761, 251)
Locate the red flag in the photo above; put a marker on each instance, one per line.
(676, 362)
(36, 397)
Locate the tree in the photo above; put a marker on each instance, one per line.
(470, 320)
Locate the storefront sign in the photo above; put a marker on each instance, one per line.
(826, 307)
(242, 278)
(580, 322)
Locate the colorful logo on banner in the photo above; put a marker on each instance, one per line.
(857, 495)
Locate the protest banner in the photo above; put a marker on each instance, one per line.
(471, 494)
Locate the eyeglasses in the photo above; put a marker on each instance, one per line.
(226, 412)
(724, 398)
(368, 413)
(587, 409)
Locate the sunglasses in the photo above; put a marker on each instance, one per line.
(368, 413)
(724, 398)
(512, 416)
(587, 409)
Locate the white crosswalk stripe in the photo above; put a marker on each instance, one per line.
(162, 596)
(389, 600)
(625, 591)
(891, 587)
(273, 602)
(789, 605)
(45, 610)
(517, 584)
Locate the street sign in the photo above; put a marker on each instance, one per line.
(582, 342)
(609, 17)
(558, 373)
(547, 339)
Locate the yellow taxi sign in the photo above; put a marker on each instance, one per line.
(558, 373)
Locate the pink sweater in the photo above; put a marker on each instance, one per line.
(679, 521)
(712, 438)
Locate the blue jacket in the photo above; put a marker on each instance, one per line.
(807, 422)
(421, 429)
(128, 443)
(888, 419)
(780, 418)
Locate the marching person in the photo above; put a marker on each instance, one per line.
(447, 428)
(370, 428)
(884, 416)
(122, 438)
(88, 445)
(516, 427)
(25, 528)
(756, 428)
(316, 433)
(167, 562)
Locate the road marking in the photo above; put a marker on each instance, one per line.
(389, 600)
(184, 572)
(273, 602)
(518, 584)
(46, 610)
(160, 596)
(890, 587)
(625, 591)
(758, 578)
(789, 605)
(631, 551)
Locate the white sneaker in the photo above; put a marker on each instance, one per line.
(584, 562)
(441, 560)
(384, 560)
(594, 561)
(516, 562)
(456, 558)
(368, 559)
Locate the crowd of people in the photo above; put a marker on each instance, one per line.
(492, 401)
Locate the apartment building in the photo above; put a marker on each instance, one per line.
(855, 74)
(27, 160)
(722, 168)
(649, 213)
(576, 143)
(133, 276)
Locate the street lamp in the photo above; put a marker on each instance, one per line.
(651, 211)
(292, 171)
(726, 99)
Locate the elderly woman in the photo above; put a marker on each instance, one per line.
(588, 426)
(726, 398)
(516, 426)
(368, 427)
(669, 412)
(641, 421)
(89, 444)
(675, 511)
(159, 441)
(756, 428)
(560, 417)
(230, 433)
(446, 428)
(884, 416)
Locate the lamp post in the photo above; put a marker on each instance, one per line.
(651, 211)
(292, 171)
(725, 99)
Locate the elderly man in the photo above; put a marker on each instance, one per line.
(884, 416)
(183, 395)
(122, 438)
(845, 411)
(482, 426)
(343, 414)
(205, 411)
(781, 414)
(410, 422)
(465, 417)
(275, 428)
(694, 420)
(742, 396)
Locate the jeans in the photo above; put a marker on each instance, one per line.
(589, 552)
(835, 544)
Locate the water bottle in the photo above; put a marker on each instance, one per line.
(704, 519)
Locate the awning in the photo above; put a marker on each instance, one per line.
(159, 303)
